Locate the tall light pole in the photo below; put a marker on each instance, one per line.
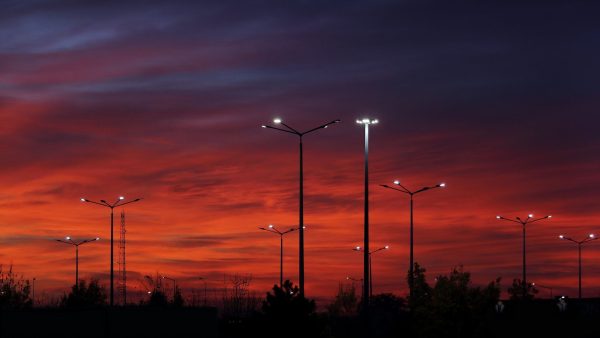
(174, 286)
(366, 122)
(118, 203)
(293, 131)
(274, 230)
(591, 237)
(403, 189)
(358, 248)
(69, 240)
(530, 219)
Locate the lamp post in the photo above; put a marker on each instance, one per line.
(274, 230)
(366, 122)
(544, 287)
(70, 241)
(403, 189)
(530, 219)
(118, 203)
(591, 237)
(358, 248)
(293, 131)
(174, 286)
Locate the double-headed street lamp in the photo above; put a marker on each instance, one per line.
(118, 203)
(591, 237)
(358, 248)
(291, 130)
(274, 230)
(403, 189)
(69, 240)
(530, 219)
(366, 122)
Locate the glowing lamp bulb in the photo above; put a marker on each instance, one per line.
(68, 238)
(530, 215)
(277, 120)
(97, 238)
(82, 199)
(387, 247)
(561, 237)
(375, 121)
(121, 198)
(442, 185)
(592, 236)
(357, 248)
(396, 182)
(498, 217)
(549, 216)
(270, 226)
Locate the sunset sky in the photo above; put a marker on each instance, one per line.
(164, 100)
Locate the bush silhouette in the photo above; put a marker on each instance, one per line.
(85, 295)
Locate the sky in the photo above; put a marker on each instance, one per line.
(164, 100)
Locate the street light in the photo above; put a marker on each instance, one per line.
(118, 203)
(544, 287)
(274, 230)
(366, 122)
(589, 238)
(69, 240)
(403, 189)
(174, 286)
(358, 248)
(291, 130)
(354, 279)
(530, 219)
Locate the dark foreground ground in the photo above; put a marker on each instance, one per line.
(540, 318)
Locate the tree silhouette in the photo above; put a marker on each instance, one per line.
(158, 299)
(14, 290)
(516, 290)
(345, 302)
(85, 295)
(455, 308)
(289, 313)
(286, 302)
(178, 299)
(421, 290)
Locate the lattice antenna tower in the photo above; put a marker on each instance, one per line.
(122, 282)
